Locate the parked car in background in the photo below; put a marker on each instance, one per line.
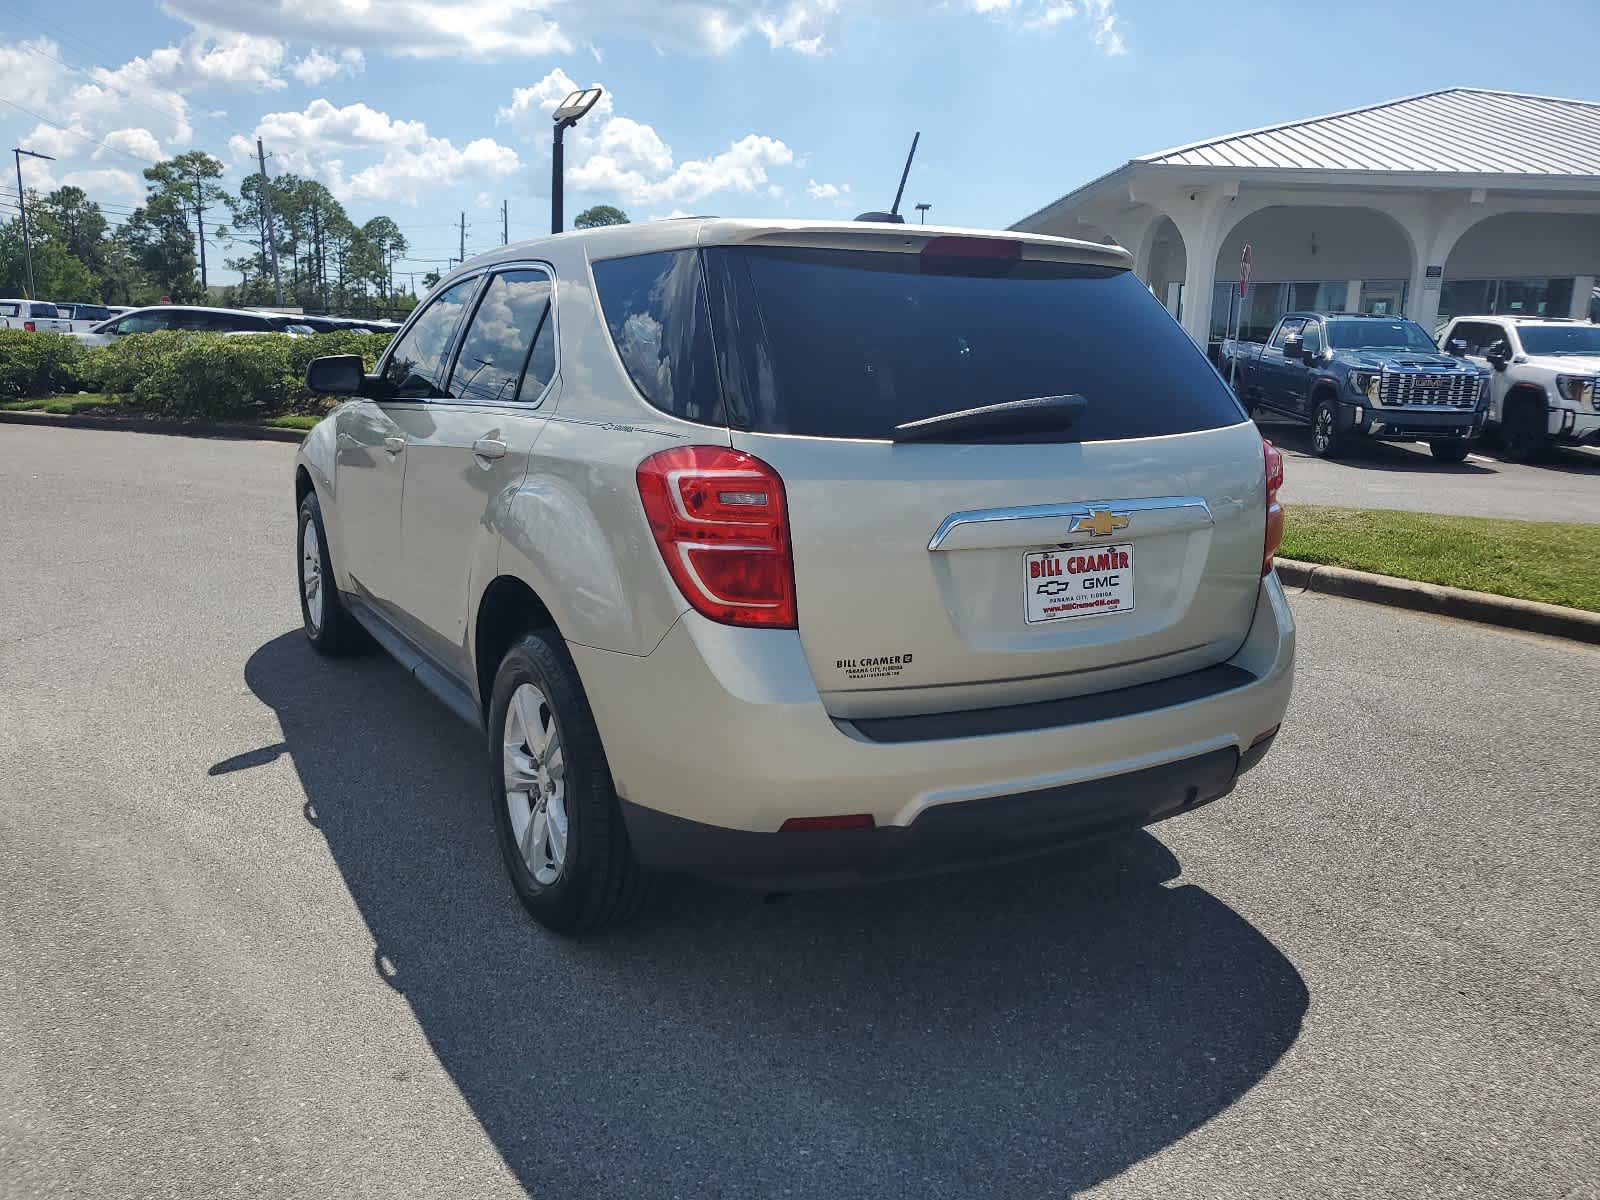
(34, 316)
(83, 317)
(321, 323)
(1544, 379)
(183, 316)
(1348, 375)
(862, 550)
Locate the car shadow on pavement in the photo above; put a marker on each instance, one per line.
(1026, 1031)
(1376, 456)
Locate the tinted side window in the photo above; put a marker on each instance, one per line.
(145, 322)
(91, 312)
(45, 311)
(504, 340)
(1285, 331)
(417, 365)
(655, 307)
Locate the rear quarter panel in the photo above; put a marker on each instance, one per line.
(575, 530)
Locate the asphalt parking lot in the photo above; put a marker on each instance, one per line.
(1405, 475)
(258, 942)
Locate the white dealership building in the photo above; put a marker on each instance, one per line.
(1434, 205)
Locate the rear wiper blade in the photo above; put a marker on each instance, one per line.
(1035, 415)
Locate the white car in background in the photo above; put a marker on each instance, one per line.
(192, 317)
(81, 318)
(34, 316)
(1545, 389)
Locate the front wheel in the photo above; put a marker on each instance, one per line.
(1523, 432)
(1450, 452)
(554, 806)
(328, 624)
(1325, 439)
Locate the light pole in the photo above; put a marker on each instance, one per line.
(922, 211)
(22, 206)
(572, 110)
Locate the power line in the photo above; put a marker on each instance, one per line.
(99, 82)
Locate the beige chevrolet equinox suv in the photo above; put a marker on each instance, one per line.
(804, 552)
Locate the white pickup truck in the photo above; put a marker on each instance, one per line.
(1545, 389)
(33, 315)
(81, 318)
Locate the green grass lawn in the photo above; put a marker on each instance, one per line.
(1530, 560)
(89, 402)
(295, 421)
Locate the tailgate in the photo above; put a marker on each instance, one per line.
(937, 577)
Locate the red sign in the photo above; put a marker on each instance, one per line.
(1244, 270)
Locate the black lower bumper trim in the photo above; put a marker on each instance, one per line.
(945, 837)
(1055, 714)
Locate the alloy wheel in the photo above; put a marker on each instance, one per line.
(1322, 431)
(311, 574)
(535, 779)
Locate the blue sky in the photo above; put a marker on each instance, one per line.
(795, 107)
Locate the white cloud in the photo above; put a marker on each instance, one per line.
(308, 142)
(316, 68)
(629, 159)
(138, 142)
(112, 183)
(498, 29)
(826, 191)
(323, 124)
(26, 67)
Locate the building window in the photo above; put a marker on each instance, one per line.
(1265, 302)
(1534, 297)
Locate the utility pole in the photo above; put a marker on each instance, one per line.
(505, 224)
(272, 237)
(463, 236)
(22, 207)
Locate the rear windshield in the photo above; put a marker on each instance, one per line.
(45, 311)
(849, 344)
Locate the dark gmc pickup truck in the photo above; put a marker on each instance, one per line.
(1348, 375)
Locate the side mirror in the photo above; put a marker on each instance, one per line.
(336, 375)
(1293, 347)
(1498, 356)
(1457, 347)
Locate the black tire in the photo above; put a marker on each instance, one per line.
(600, 881)
(1326, 441)
(1450, 452)
(337, 631)
(1524, 434)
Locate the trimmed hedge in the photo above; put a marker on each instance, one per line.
(184, 375)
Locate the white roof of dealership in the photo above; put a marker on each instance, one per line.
(1436, 165)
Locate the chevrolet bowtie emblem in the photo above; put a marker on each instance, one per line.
(1101, 522)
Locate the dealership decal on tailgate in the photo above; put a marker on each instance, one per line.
(1058, 584)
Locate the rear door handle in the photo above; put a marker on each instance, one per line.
(394, 444)
(489, 448)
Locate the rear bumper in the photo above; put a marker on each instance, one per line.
(719, 736)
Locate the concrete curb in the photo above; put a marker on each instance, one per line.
(213, 429)
(1531, 616)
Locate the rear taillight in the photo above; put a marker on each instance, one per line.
(1274, 468)
(29, 327)
(722, 524)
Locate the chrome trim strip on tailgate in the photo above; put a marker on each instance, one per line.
(1051, 524)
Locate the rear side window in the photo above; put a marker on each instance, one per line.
(655, 307)
(91, 312)
(45, 311)
(509, 349)
(849, 344)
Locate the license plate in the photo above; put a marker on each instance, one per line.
(1088, 581)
